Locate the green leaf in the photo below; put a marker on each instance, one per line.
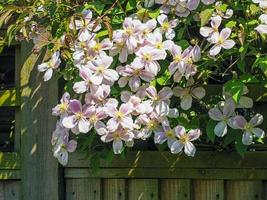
(235, 88)
(240, 148)
(205, 16)
(154, 13)
(163, 80)
(231, 24)
(131, 4)
(210, 130)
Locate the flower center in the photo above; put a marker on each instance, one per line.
(79, 115)
(165, 26)
(177, 58)
(100, 69)
(184, 139)
(63, 107)
(152, 124)
(170, 133)
(137, 72)
(248, 126)
(93, 119)
(119, 115)
(147, 57)
(129, 31)
(97, 47)
(159, 45)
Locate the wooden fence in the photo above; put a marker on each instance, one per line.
(31, 173)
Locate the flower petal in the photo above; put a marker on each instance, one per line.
(220, 129)
(177, 147)
(189, 149)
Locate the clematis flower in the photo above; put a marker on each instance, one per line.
(185, 141)
(150, 123)
(99, 47)
(83, 86)
(49, 66)
(131, 30)
(148, 27)
(262, 3)
(187, 94)
(262, 28)
(78, 118)
(101, 73)
(223, 114)
(85, 26)
(120, 117)
(213, 31)
(167, 26)
(133, 74)
(62, 148)
(249, 128)
(147, 56)
(160, 101)
(63, 107)
(117, 137)
(155, 40)
(120, 46)
(165, 134)
(95, 115)
(221, 41)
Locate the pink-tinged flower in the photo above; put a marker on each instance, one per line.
(60, 131)
(86, 26)
(208, 2)
(262, 3)
(139, 106)
(221, 41)
(101, 73)
(118, 136)
(223, 114)
(148, 56)
(63, 107)
(78, 118)
(120, 117)
(98, 46)
(262, 28)
(244, 101)
(133, 74)
(249, 128)
(148, 27)
(132, 29)
(184, 62)
(49, 66)
(160, 101)
(98, 95)
(167, 26)
(62, 147)
(120, 46)
(150, 123)
(95, 115)
(165, 134)
(84, 85)
(213, 31)
(187, 94)
(155, 40)
(185, 141)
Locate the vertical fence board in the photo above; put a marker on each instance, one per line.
(143, 189)
(245, 190)
(11, 190)
(83, 189)
(208, 189)
(39, 170)
(173, 189)
(114, 189)
(2, 194)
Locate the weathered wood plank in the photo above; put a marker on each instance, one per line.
(184, 173)
(9, 174)
(39, 168)
(173, 189)
(11, 190)
(2, 194)
(114, 189)
(9, 161)
(208, 189)
(83, 189)
(245, 190)
(143, 189)
(204, 159)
